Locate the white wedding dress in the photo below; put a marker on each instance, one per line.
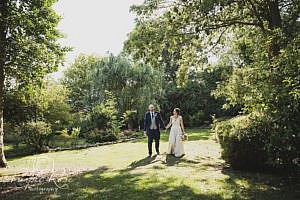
(175, 142)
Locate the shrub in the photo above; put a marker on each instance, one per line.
(103, 116)
(128, 118)
(132, 134)
(100, 136)
(75, 134)
(12, 134)
(136, 134)
(196, 119)
(257, 141)
(36, 134)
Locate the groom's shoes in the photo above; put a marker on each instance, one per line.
(149, 156)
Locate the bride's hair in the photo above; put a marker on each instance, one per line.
(177, 110)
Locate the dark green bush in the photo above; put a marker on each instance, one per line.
(196, 119)
(100, 136)
(131, 134)
(12, 134)
(102, 117)
(37, 135)
(256, 142)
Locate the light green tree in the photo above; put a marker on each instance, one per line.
(133, 85)
(28, 46)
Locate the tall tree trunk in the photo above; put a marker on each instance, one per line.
(3, 162)
(275, 22)
(3, 31)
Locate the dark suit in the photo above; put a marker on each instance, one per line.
(153, 134)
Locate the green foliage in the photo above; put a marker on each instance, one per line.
(57, 110)
(77, 81)
(134, 86)
(194, 98)
(12, 134)
(36, 134)
(96, 136)
(75, 134)
(48, 103)
(109, 110)
(257, 141)
(257, 45)
(258, 39)
(16, 109)
(129, 117)
(30, 47)
(103, 118)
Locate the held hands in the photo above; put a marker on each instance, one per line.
(166, 130)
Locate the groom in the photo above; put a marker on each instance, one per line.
(152, 124)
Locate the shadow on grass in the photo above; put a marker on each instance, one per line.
(121, 185)
(21, 150)
(263, 185)
(105, 184)
(171, 160)
(140, 163)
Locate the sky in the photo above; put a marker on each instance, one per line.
(94, 26)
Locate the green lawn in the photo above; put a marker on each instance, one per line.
(122, 171)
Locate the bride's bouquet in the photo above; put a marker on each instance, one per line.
(184, 137)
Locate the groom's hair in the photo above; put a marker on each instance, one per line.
(151, 104)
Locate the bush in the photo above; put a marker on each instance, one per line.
(103, 116)
(75, 133)
(129, 117)
(12, 134)
(257, 141)
(132, 134)
(36, 134)
(196, 119)
(100, 136)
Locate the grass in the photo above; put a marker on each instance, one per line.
(13, 151)
(16, 151)
(122, 171)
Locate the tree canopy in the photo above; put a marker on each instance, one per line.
(28, 47)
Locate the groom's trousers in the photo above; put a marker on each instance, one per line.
(153, 135)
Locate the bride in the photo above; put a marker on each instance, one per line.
(176, 133)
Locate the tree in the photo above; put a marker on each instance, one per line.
(257, 40)
(56, 110)
(28, 47)
(76, 79)
(261, 33)
(133, 85)
(198, 28)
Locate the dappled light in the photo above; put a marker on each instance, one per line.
(153, 99)
(130, 174)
